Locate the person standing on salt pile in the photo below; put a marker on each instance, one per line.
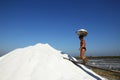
(82, 33)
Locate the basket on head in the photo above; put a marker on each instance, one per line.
(82, 32)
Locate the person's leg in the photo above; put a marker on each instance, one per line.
(84, 59)
(82, 52)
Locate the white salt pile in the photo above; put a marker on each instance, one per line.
(41, 62)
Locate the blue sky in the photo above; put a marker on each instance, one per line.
(28, 22)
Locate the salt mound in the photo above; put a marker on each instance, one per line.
(40, 62)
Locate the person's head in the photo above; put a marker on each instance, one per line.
(81, 37)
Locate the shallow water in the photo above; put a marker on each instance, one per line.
(106, 63)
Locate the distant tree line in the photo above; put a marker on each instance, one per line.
(96, 57)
